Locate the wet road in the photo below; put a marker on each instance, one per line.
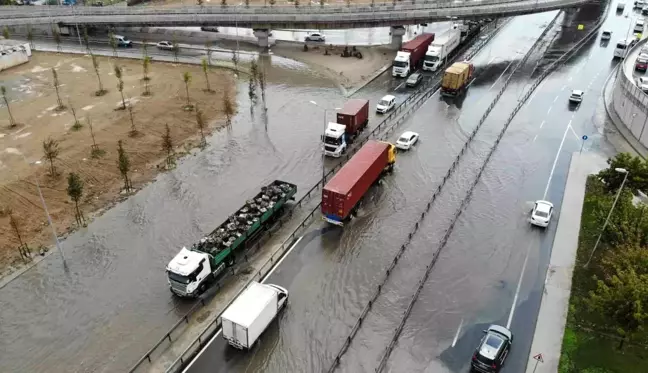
(331, 272)
(114, 302)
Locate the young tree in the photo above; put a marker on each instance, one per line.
(12, 123)
(75, 192)
(252, 90)
(30, 37)
(321, 3)
(113, 43)
(228, 108)
(202, 124)
(205, 68)
(272, 2)
(120, 85)
(186, 78)
(144, 48)
(95, 63)
(235, 60)
(5, 32)
(86, 39)
(146, 65)
(247, 3)
(95, 152)
(57, 85)
(23, 249)
(133, 131)
(296, 3)
(223, 2)
(123, 163)
(176, 48)
(208, 46)
(200, 2)
(262, 85)
(51, 152)
(254, 70)
(167, 146)
(57, 38)
(77, 125)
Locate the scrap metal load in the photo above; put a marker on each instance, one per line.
(240, 222)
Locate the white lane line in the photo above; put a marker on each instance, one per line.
(519, 286)
(563, 88)
(185, 370)
(499, 77)
(542, 124)
(535, 92)
(400, 85)
(555, 98)
(454, 341)
(549, 110)
(570, 78)
(534, 138)
(575, 134)
(553, 168)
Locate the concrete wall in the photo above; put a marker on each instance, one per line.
(629, 102)
(11, 56)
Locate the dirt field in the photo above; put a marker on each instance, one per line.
(33, 104)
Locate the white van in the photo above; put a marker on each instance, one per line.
(621, 48)
(639, 26)
(122, 41)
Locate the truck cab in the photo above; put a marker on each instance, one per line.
(433, 58)
(335, 140)
(189, 272)
(401, 65)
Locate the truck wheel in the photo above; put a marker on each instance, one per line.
(230, 261)
(202, 288)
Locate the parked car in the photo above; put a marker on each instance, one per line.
(492, 350)
(639, 26)
(414, 80)
(606, 35)
(576, 96)
(316, 36)
(642, 83)
(541, 213)
(209, 28)
(641, 64)
(644, 11)
(639, 3)
(386, 104)
(166, 45)
(407, 140)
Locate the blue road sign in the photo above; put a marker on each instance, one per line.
(584, 137)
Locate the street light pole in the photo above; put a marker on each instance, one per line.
(623, 171)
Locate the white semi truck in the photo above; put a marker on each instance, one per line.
(249, 315)
(439, 50)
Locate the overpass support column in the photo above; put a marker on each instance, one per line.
(262, 36)
(397, 33)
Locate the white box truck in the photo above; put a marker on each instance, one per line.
(251, 313)
(439, 50)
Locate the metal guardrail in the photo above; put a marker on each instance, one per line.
(424, 92)
(388, 271)
(265, 17)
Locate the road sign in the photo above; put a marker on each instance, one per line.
(584, 137)
(581, 150)
(581, 27)
(539, 358)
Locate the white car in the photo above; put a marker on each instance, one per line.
(165, 45)
(541, 213)
(316, 36)
(386, 104)
(576, 96)
(606, 35)
(407, 140)
(642, 83)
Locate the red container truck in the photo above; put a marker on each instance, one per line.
(352, 119)
(342, 193)
(411, 55)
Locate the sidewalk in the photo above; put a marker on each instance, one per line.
(550, 326)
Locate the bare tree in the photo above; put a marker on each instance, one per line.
(12, 122)
(272, 2)
(113, 43)
(146, 65)
(186, 78)
(262, 85)
(235, 60)
(247, 3)
(200, 2)
(23, 249)
(167, 146)
(5, 32)
(223, 2)
(133, 131)
(228, 108)
(57, 85)
(95, 151)
(95, 63)
(254, 70)
(123, 163)
(30, 37)
(75, 192)
(176, 48)
(202, 124)
(145, 47)
(208, 46)
(86, 39)
(321, 2)
(57, 38)
(296, 3)
(205, 68)
(252, 90)
(120, 85)
(77, 125)
(51, 152)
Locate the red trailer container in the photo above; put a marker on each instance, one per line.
(417, 47)
(354, 115)
(342, 193)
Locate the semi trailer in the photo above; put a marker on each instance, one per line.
(456, 78)
(342, 194)
(440, 49)
(351, 120)
(411, 54)
(192, 270)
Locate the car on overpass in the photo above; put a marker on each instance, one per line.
(316, 36)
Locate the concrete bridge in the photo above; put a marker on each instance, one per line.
(263, 18)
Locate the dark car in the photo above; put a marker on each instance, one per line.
(414, 80)
(209, 28)
(641, 64)
(492, 350)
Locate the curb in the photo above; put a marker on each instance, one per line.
(375, 76)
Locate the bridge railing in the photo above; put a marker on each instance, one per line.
(421, 5)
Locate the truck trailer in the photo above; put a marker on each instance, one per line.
(439, 50)
(351, 120)
(411, 55)
(456, 78)
(341, 195)
(191, 271)
(252, 311)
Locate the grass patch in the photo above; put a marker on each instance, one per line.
(590, 344)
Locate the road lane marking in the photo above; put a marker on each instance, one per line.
(555, 98)
(563, 88)
(519, 286)
(534, 138)
(454, 341)
(553, 168)
(220, 330)
(542, 124)
(499, 77)
(535, 92)
(578, 138)
(400, 85)
(549, 110)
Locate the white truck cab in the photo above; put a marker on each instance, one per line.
(401, 65)
(335, 140)
(189, 272)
